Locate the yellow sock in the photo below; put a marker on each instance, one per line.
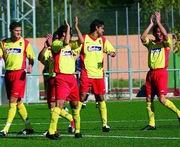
(79, 105)
(150, 110)
(77, 118)
(11, 115)
(66, 115)
(103, 112)
(172, 107)
(54, 120)
(23, 113)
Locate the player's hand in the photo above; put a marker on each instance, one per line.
(112, 54)
(152, 19)
(76, 22)
(48, 40)
(29, 68)
(158, 16)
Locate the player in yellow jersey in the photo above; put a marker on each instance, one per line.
(14, 51)
(157, 77)
(92, 72)
(66, 88)
(46, 58)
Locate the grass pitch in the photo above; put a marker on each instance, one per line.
(126, 118)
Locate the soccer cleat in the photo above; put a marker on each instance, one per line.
(66, 109)
(3, 133)
(51, 136)
(71, 128)
(78, 135)
(45, 133)
(56, 134)
(83, 105)
(26, 132)
(97, 105)
(148, 128)
(106, 128)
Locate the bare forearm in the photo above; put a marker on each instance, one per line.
(145, 33)
(163, 30)
(79, 34)
(41, 54)
(67, 38)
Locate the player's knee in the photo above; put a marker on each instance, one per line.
(74, 104)
(162, 99)
(83, 96)
(60, 104)
(99, 98)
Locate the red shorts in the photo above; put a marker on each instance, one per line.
(66, 87)
(156, 82)
(97, 85)
(15, 83)
(51, 90)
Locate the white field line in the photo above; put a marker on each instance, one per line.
(100, 136)
(85, 122)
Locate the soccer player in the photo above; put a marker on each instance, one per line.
(92, 73)
(157, 77)
(66, 87)
(15, 50)
(46, 58)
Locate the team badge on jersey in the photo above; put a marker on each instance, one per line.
(20, 43)
(13, 51)
(67, 53)
(155, 50)
(94, 48)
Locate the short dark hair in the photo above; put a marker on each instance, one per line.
(62, 29)
(14, 25)
(155, 27)
(95, 23)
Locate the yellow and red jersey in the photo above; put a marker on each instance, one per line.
(158, 53)
(64, 61)
(92, 55)
(15, 53)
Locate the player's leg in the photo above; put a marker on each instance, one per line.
(76, 116)
(85, 84)
(24, 115)
(56, 111)
(103, 112)
(162, 83)
(74, 99)
(85, 101)
(98, 88)
(170, 105)
(11, 114)
(149, 102)
(150, 111)
(13, 89)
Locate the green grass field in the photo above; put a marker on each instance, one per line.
(126, 118)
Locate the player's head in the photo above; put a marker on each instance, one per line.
(15, 29)
(97, 26)
(61, 32)
(157, 33)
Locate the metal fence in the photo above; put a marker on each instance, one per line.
(123, 23)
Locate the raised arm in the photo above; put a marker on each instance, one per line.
(41, 54)
(158, 21)
(47, 46)
(147, 30)
(80, 37)
(67, 37)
